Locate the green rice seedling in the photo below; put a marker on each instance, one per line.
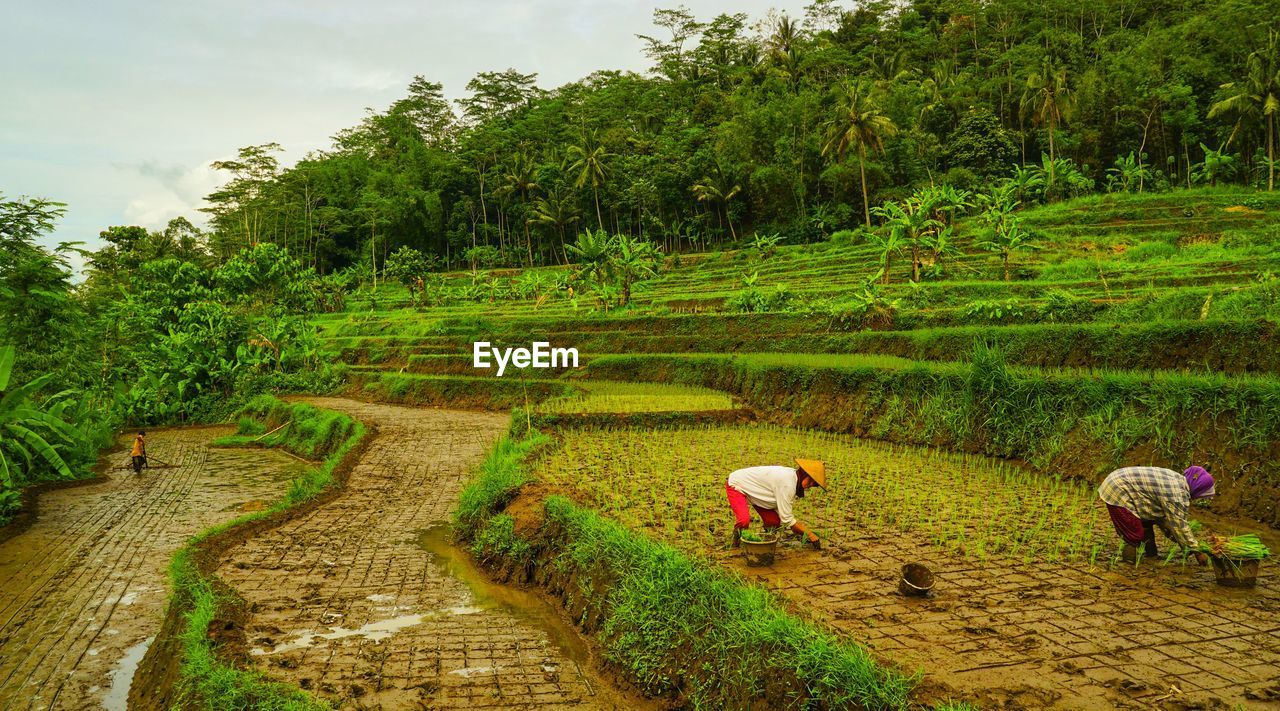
(617, 396)
(965, 504)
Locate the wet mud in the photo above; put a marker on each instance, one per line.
(1015, 634)
(363, 602)
(83, 588)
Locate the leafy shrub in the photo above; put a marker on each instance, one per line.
(10, 502)
(994, 311)
(867, 308)
(39, 439)
(755, 300)
(484, 257)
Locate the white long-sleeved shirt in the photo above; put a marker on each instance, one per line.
(769, 488)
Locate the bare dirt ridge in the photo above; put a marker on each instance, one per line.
(83, 588)
(344, 601)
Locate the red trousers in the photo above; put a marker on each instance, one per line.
(1131, 528)
(742, 515)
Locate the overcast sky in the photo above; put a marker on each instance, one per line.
(117, 108)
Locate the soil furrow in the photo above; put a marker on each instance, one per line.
(86, 581)
(345, 602)
(74, 597)
(168, 508)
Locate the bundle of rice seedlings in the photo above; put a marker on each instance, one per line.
(1244, 547)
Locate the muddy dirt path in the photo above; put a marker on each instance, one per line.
(1045, 635)
(356, 600)
(84, 589)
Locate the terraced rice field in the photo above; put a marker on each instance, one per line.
(1032, 607)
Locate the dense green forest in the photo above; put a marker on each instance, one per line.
(879, 125)
(789, 126)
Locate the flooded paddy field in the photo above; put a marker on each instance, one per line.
(364, 602)
(83, 590)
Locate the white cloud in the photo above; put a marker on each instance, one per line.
(170, 191)
(117, 107)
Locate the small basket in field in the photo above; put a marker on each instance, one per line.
(1236, 559)
(759, 550)
(1236, 572)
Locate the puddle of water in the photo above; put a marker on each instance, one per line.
(374, 632)
(437, 541)
(117, 697)
(469, 672)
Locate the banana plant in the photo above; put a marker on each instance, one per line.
(33, 437)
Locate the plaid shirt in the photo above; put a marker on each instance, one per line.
(1153, 494)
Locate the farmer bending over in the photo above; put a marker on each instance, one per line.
(772, 490)
(139, 453)
(1140, 498)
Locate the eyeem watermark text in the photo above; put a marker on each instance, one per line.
(542, 355)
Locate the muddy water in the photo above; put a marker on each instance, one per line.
(84, 589)
(484, 594)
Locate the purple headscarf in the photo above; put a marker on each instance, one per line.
(1200, 481)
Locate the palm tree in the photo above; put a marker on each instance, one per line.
(1048, 101)
(1257, 98)
(589, 162)
(859, 124)
(718, 190)
(520, 178)
(557, 210)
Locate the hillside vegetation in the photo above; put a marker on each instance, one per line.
(1141, 330)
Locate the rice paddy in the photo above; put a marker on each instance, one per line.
(616, 396)
(671, 483)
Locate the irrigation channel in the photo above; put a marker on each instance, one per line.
(83, 590)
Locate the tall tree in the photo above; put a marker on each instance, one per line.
(860, 124)
(718, 189)
(1256, 98)
(1047, 101)
(520, 179)
(589, 162)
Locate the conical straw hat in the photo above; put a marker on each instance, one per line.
(815, 470)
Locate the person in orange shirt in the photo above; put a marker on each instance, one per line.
(139, 453)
